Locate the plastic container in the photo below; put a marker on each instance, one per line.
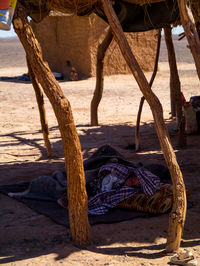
(7, 9)
(4, 4)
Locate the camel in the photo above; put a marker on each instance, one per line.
(41, 75)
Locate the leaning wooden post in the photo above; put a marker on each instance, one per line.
(190, 32)
(175, 86)
(102, 48)
(137, 127)
(77, 196)
(195, 6)
(177, 216)
(41, 108)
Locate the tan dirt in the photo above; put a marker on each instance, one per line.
(29, 238)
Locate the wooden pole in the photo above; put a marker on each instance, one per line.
(177, 216)
(195, 6)
(175, 86)
(137, 127)
(77, 196)
(41, 108)
(190, 32)
(102, 48)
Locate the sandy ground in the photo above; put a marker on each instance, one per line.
(28, 238)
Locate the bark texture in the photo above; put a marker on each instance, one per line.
(41, 107)
(175, 88)
(190, 32)
(195, 5)
(77, 196)
(102, 48)
(177, 216)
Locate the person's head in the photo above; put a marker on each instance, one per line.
(73, 74)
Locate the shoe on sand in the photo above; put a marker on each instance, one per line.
(191, 263)
(183, 258)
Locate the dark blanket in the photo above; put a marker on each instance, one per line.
(24, 77)
(136, 18)
(42, 197)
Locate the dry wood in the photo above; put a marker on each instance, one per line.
(190, 32)
(177, 216)
(195, 6)
(137, 127)
(41, 107)
(175, 88)
(102, 48)
(77, 196)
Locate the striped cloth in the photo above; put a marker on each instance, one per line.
(104, 201)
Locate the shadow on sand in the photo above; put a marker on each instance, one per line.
(30, 238)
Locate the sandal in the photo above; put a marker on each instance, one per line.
(191, 263)
(183, 258)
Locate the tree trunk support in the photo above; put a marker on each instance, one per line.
(137, 127)
(102, 48)
(41, 107)
(175, 87)
(177, 216)
(77, 196)
(190, 32)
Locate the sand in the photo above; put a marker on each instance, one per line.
(29, 238)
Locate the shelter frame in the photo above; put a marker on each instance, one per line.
(77, 197)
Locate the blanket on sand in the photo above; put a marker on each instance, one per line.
(45, 190)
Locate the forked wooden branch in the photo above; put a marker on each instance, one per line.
(177, 216)
(190, 32)
(137, 127)
(77, 196)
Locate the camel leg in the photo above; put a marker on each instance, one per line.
(174, 81)
(175, 86)
(137, 127)
(102, 48)
(41, 107)
(177, 216)
(190, 32)
(77, 196)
